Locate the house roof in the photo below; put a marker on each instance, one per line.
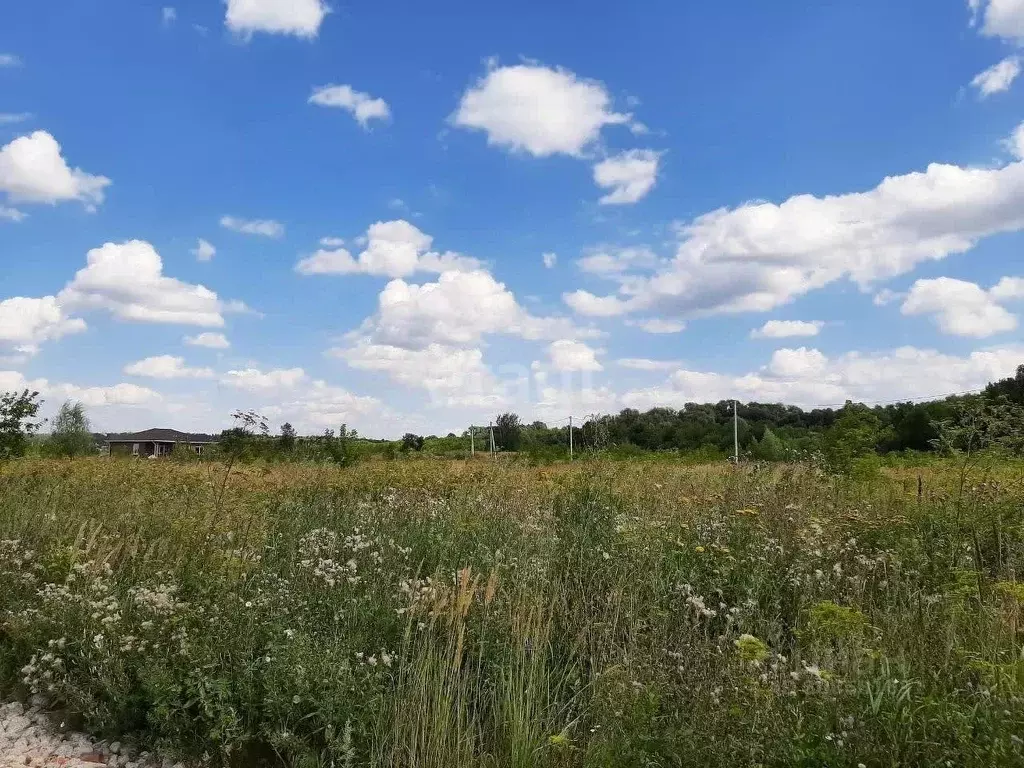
(160, 436)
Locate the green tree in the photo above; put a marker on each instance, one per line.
(18, 412)
(508, 432)
(411, 442)
(286, 442)
(855, 434)
(71, 435)
(770, 448)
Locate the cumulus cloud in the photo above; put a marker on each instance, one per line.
(166, 367)
(1000, 18)
(807, 378)
(458, 309)
(362, 106)
(450, 375)
(255, 380)
(93, 397)
(962, 308)
(204, 251)
(32, 170)
(784, 329)
(569, 355)
(615, 263)
(393, 249)
(261, 227)
(762, 255)
(629, 175)
(127, 279)
(208, 340)
(645, 364)
(168, 15)
(25, 323)
(536, 109)
(658, 325)
(322, 406)
(997, 78)
(301, 18)
(429, 336)
(550, 259)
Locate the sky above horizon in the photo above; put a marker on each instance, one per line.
(411, 219)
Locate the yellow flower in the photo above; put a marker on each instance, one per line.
(698, 549)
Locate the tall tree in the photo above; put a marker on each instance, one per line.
(287, 440)
(18, 412)
(71, 435)
(508, 432)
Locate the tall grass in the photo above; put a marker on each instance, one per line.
(483, 615)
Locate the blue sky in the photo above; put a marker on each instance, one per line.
(340, 213)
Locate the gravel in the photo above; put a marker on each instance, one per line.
(30, 736)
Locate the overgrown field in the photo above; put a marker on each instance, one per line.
(448, 615)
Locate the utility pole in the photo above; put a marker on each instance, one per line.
(736, 431)
(570, 438)
(491, 427)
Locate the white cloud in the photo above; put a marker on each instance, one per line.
(204, 251)
(1001, 18)
(12, 214)
(10, 118)
(393, 249)
(9, 60)
(459, 309)
(550, 259)
(762, 255)
(262, 227)
(363, 107)
(255, 380)
(586, 303)
(26, 323)
(322, 406)
(615, 263)
(629, 175)
(1008, 289)
(784, 329)
(962, 308)
(885, 297)
(32, 170)
(208, 340)
(168, 15)
(808, 378)
(166, 367)
(98, 397)
(569, 355)
(1015, 144)
(451, 375)
(658, 325)
(644, 364)
(93, 397)
(332, 242)
(997, 78)
(127, 279)
(301, 18)
(537, 109)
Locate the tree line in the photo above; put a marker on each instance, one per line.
(766, 431)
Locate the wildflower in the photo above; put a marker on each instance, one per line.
(699, 550)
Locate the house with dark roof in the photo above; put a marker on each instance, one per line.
(157, 442)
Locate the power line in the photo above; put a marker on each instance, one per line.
(898, 400)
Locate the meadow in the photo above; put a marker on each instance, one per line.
(451, 614)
